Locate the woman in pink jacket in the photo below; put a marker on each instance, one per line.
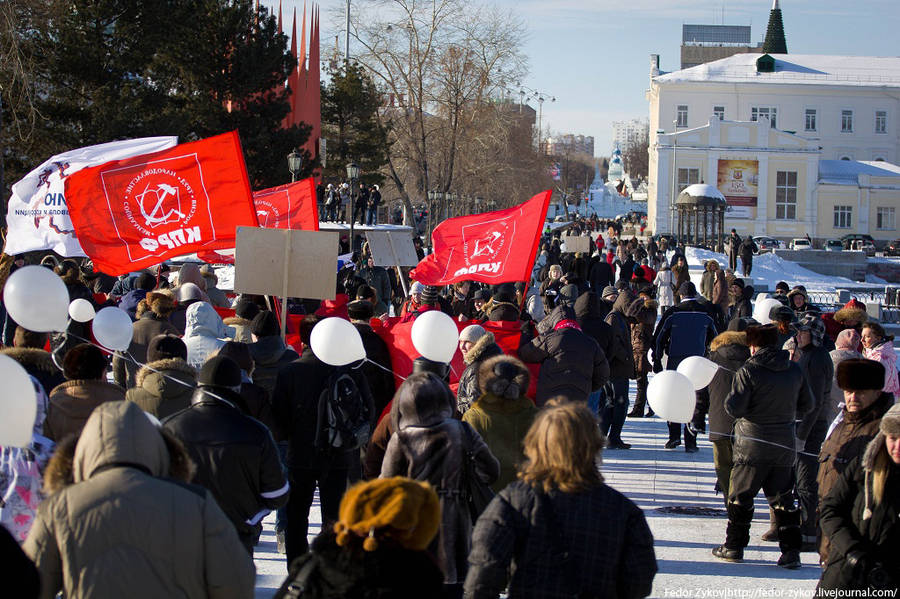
(879, 346)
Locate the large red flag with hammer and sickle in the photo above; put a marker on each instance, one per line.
(133, 213)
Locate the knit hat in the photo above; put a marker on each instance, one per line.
(890, 422)
(240, 353)
(360, 310)
(189, 291)
(472, 333)
(416, 287)
(568, 294)
(430, 295)
(859, 374)
(265, 325)
(687, 289)
(246, 309)
(609, 292)
(810, 321)
(782, 314)
(762, 336)
(398, 509)
(782, 286)
(220, 371)
(847, 339)
(166, 347)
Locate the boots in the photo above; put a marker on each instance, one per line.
(640, 400)
(771, 535)
(737, 535)
(789, 538)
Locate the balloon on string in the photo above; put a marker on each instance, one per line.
(81, 310)
(18, 409)
(762, 310)
(113, 328)
(37, 299)
(435, 336)
(672, 396)
(336, 342)
(699, 370)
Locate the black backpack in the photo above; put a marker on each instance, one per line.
(345, 421)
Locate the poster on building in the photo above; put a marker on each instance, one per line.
(738, 180)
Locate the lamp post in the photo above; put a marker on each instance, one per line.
(540, 97)
(295, 164)
(674, 171)
(353, 175)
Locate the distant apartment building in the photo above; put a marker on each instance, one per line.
(627, 132)
(705, 43)
(568, 143)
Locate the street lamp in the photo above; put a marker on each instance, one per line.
(674, 172)
(353, 175)
(295, 164)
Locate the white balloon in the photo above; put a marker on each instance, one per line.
(336, 342)
(18, 409)
(763, 309)
(113, 328)
(672, 396)
(37, 299)
(81, 310)
(435, 336)
(699, 370)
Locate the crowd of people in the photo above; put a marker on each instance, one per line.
(150, 471)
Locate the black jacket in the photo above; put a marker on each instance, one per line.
(742, 308)
(729, 350)
(816, 364)
(622, 364)
(610, 340)
(601, 276)
(235, 455)
(381, 381)
(768, 395)
(595, 543)
(685, 329)
(295, 404)
(269, 355)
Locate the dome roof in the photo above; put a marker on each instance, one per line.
(702, 195)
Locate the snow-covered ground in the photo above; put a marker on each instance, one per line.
(656, 479)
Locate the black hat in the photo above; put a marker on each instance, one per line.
(246, 309)
(482, 294)
(360, 310)
(505, 293)
(166, 347)
(782, 314)
(687, 289)
(568, 294)
(782, 286)
(84, 361)
(739, 282)
(220, 371)
(430, 295)
(240, 353)
(265, 325)
(857, 374)
(762, 336)
(741, 324)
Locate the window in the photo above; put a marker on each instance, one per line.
(719, 112)
(881, 121)
(810, 119)
(786, 195)
(884, 219)
(681, 116)
(687, 176)
(846, 121)
(843, 217)
(756, 112)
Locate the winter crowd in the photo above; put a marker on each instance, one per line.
(150, 471)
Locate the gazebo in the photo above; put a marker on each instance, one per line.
(701, 216)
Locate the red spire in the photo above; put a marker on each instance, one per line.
(279, 17)
(313, 90)
(292, 81)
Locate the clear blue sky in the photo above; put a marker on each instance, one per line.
(594, 55)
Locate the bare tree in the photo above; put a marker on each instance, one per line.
(636, 157)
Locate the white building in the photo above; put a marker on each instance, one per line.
(627, 132)
(819, 107)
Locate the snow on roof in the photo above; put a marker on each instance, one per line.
(795, 69)
(702, 190)
(846, 172)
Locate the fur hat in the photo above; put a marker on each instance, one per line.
(240, 353)
(505, 293)
(762, 336)
(853, 311)
(160, 303)
(503, 376)
(859, 374)
(84, 361)
(220, 371)
(360, 310)
(890, 422)
(798, 290)
(687, 289)
(400, 509)
(472, 333)
(165, 347)
(782, 313)
(246, 309)
(740, 324)
(265, 324)
(810, 321)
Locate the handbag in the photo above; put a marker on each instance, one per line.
(476, 493)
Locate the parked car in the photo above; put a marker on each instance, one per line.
(800, 243)
(833, 245)
(849, 238)
(862, 245)
(766, 244)
(892, 248)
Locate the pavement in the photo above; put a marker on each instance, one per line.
(657, 480)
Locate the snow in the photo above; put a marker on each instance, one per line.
(702, 190)
(846, 172)
(769, 269)
(796, 69)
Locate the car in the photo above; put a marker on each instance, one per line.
(892, 248)
(800, 243)
(833, 245)
(766, 244)
(861, 245)
(849, 238)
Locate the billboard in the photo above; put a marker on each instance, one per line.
(738, 180)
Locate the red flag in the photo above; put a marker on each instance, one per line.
(291, 206)
(133, 213)
(494, 247)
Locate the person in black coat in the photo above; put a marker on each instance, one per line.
(747, 249)
(381, 380)
(861, 516)
(601, 275)
(742, 306)
(734, 244)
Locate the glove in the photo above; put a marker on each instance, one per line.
(657, 366)
(857, 562)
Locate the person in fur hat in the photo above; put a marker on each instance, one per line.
(476, 345)
(165, 384)
(502, 414)
(28, 350)
(861, 517)
(242, 321)
(863, 407)
(851, 316)
(152, 319)
(798, 301)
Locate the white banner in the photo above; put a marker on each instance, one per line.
(38, 218)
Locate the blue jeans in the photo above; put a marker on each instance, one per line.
(594, 401)
(372, 216)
